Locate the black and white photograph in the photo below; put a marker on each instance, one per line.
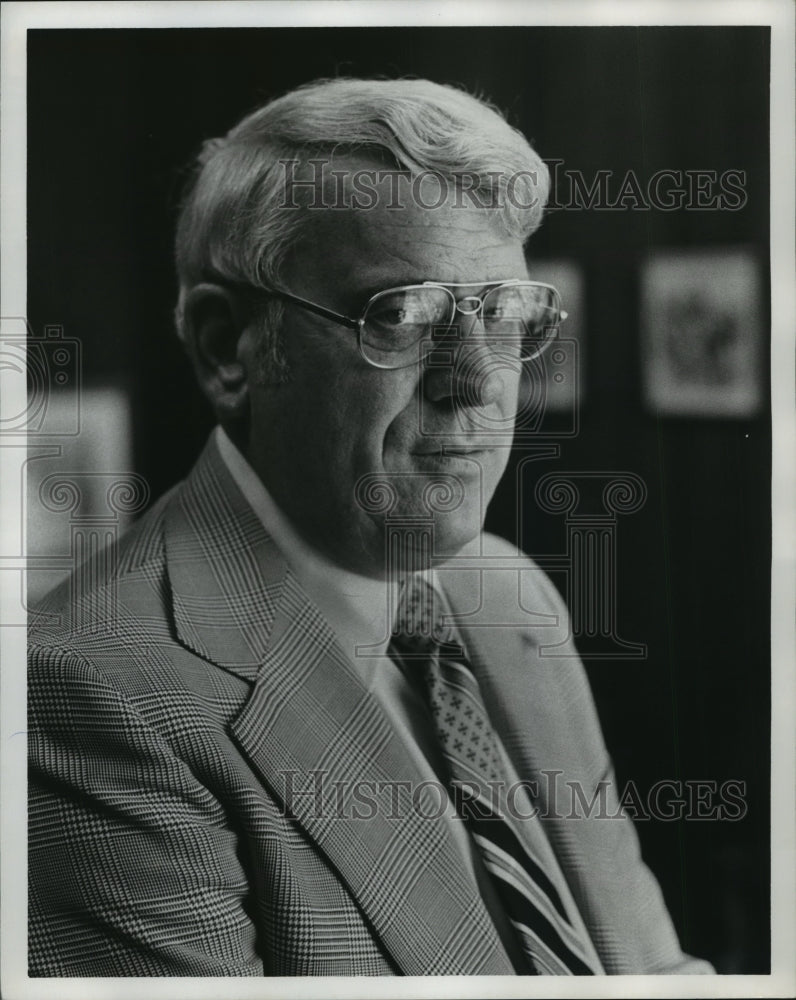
(397, 436)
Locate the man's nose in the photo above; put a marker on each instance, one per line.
(463, 367)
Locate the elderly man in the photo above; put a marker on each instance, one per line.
(304, 725)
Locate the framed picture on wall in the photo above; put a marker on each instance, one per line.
(80, 492)
(702, 331)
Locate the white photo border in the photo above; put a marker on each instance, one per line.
(16, 19)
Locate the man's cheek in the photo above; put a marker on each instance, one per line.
(388, 394)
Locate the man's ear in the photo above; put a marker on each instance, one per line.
(213, 322)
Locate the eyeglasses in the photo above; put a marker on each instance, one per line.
(401, 326)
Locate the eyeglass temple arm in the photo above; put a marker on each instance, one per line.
(312, 307)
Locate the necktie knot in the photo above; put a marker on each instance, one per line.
(420, 627)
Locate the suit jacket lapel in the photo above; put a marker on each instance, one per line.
(317, 737)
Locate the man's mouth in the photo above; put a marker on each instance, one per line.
(440, 449)
(461, 458)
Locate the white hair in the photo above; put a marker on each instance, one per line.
(234, 224)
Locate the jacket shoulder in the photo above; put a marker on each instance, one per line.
(509, 577)
(106, 638)
(125, 576)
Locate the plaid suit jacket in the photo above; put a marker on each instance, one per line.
(192, 723)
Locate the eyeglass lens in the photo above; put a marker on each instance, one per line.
(403, 325)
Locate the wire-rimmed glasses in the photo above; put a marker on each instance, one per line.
(399, 327)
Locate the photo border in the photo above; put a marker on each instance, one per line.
(16, 19)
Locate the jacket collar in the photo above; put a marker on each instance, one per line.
(310, 726)
(226, 574)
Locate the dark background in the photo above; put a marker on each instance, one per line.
(113, 116)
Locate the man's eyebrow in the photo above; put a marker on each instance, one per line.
(364, 293)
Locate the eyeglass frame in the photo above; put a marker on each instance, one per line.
(358, 324)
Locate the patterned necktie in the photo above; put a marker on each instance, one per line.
(436, 665)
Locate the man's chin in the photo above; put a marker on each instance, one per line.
(414, 544)
(451, 540)
(422, 519)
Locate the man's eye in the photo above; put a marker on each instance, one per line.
(389, 316)
(495, 311)
(407, 313)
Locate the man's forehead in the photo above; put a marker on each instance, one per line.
(379, 192)
(370, 202)
(390, 233)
